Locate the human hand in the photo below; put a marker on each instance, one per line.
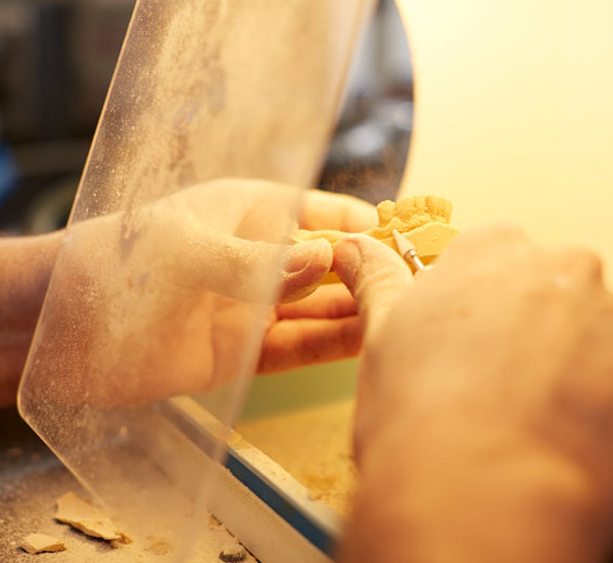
(485, 403)
(170, 297)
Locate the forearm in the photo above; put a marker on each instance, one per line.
(455, 500)
(26, 264)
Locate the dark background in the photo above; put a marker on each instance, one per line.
(56, 62)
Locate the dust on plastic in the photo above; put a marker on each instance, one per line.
(218, 115)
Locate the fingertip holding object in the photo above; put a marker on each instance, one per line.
(305, 267)
(347, 259)
(421, 221)
(354, 254)
(374, 274)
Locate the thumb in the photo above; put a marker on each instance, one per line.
(375, 275)
(306, 265)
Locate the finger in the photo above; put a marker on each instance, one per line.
(340, 212)
(249, 270)
(328, 302)
(578, 265)
(306, 265)
(596, 391)
(293, 343)
(487, 245)
(374, 274)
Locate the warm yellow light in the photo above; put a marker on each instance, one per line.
(514, 114)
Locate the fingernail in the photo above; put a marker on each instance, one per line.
(308, 254)
(347, 261)
(305, 267)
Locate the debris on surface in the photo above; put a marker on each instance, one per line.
(81, 515)
(158, 546)
(313, 445)
(39, 543)
(232, 553)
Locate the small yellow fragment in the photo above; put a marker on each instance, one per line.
(40, 543)
(86, 518)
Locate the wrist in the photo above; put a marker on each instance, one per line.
(27, 263)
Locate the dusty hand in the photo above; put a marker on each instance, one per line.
(485, 415)
(167, 298)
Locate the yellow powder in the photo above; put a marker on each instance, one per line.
(314, 446)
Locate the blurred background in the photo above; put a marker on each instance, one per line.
(56, 62)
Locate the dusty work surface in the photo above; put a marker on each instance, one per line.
(32, 478)
(314, 445)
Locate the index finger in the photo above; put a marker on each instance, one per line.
(340, 212)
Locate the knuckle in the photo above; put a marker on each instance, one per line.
(500, 232)
(586, 263)
(496, 239)
(507, 232)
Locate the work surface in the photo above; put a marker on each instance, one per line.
(314, 445)
(31, 478)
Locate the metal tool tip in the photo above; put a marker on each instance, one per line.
(402, 243)
(407, 251)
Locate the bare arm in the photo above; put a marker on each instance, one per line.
(25, 269)
(208, 244)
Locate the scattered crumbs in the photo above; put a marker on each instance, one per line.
(14, 452)
(158, 546)
(34, 457)
(40, 543)
(83, 516)
(123, 540)
(314, 446)
(232, 553)
(2, 522)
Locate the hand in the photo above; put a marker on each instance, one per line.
(176, 296)
(485, 408)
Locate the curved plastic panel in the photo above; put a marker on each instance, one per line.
(171, 261)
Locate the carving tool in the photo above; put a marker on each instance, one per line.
(408, 252)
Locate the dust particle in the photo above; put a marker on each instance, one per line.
(158, 546)
(232, 553)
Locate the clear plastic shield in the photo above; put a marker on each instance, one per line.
(218, 114)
